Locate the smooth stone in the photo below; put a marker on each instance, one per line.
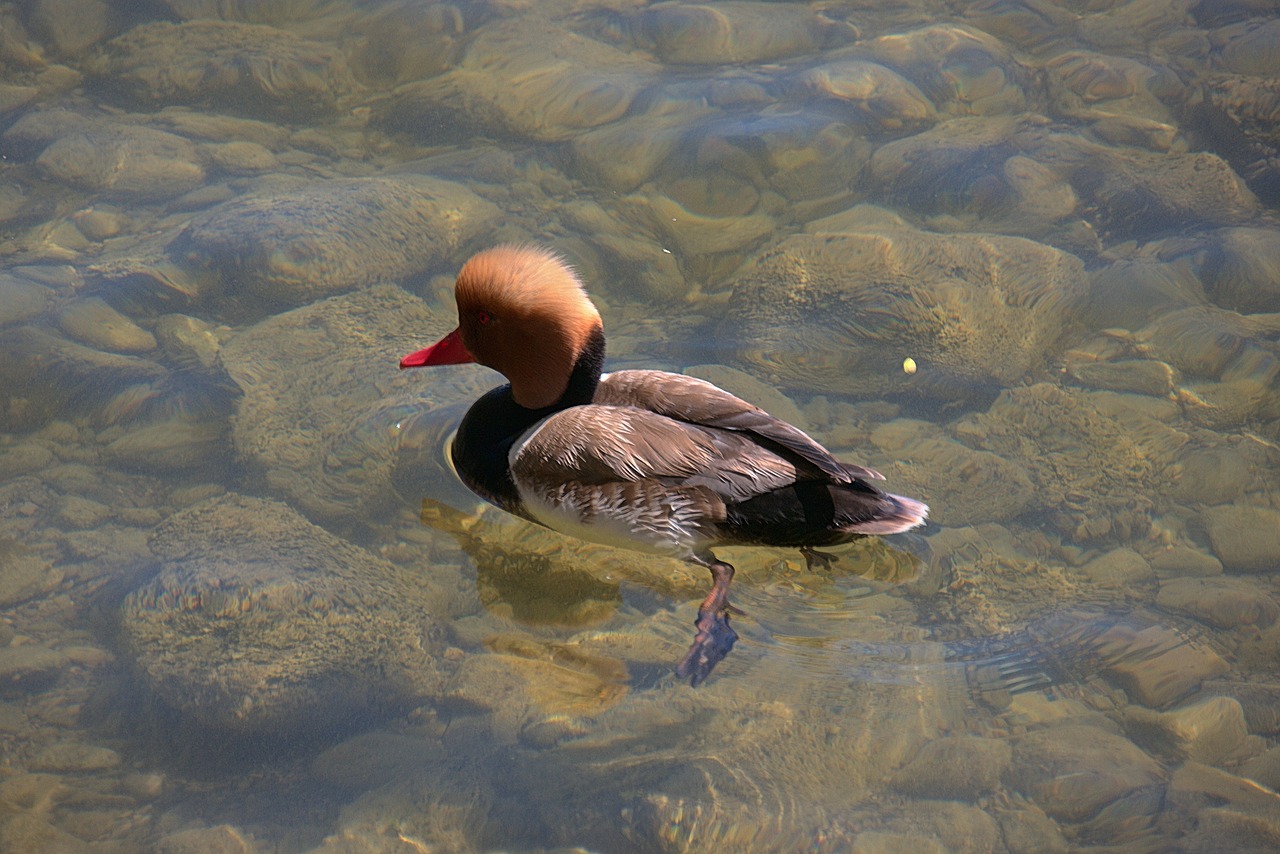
(296, 245)
(1244, 271)
(35, 792)
(25, 832)
(967, 71)
(957, 826)
(1260, 701)
(1208, 730)
(1222, 786)
(1027, 830)
(1212, 476)
(15, 98)
(241, 158)
(21, 299)
(1144, 192)
(1074, 771)
(1226, 603)
(240, 67)
(26, 574)
(514, 81)
(77, 512)
(144, 785)
(1185, 561)
(1264, 769)
(1220, 829)
(1156, 665)
(739, 31)
(1232, 813)
(954, 768)
(178, 444)
(189, 337)
(37, 129)
(401, 42)
(99, 225)
(1244, 537)
(128, 161)
(93, 322)
(1142, 376)
(1118, 568)
(22, 667)
(878, 94)
(1254, 51)
(74, 757)
(73, 26)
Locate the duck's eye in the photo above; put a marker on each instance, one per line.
(484, 317)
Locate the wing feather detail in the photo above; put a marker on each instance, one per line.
(603, 444)
(694, 401)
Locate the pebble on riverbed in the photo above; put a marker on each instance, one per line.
(1244, 537)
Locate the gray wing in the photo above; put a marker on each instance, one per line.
(695, 401)
(601, 444)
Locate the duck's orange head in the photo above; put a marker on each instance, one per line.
(523, 312)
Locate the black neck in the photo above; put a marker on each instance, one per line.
(496, 421)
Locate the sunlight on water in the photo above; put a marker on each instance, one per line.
(1022, 258)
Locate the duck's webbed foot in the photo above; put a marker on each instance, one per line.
(814, 558)
(715, 637)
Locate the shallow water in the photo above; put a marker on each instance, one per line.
(1020, 258)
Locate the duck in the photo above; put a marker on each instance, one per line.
(649, 460)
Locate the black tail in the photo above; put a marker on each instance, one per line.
(817, 513)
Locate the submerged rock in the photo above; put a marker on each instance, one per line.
(93, 322)
(1226, 603)
(964, 70)
(1244, 537)
(872, 93)
(258, 621)
(1073, 771)
(244, 67)
(124, 161)
(46, 373)
(840, 308)
(525, 78)
(1239, 116)
(1207, 730)
(331, 436)
(1094, 459)
(738, 31)
(295, 246)
(955, 768)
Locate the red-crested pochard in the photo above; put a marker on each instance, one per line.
(648, 460)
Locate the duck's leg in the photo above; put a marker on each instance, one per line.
(714, 638)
